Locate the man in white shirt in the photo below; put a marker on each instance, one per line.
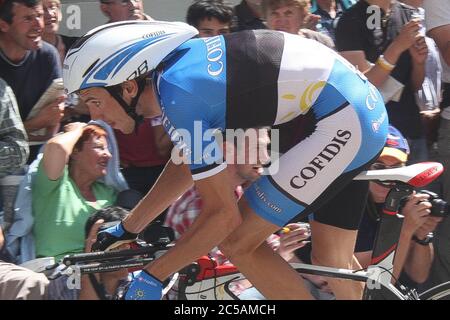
(437, 19)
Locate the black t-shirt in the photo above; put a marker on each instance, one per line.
(30, 78)
(368, 227)
(69, 41)
(353, 33)
(244, 19)
(367, 233)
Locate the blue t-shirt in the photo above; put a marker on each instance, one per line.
(32, 76)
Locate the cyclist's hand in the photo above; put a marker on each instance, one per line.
(113, 237)
(416, 212)
(320, 282)
(144, 287)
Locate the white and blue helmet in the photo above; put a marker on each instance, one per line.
(121, 51)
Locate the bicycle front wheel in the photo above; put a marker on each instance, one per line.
(439, 292)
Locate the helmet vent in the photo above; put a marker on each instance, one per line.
(90, 68)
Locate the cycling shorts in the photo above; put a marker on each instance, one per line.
(344, 142)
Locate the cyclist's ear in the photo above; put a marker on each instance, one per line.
(129, 89)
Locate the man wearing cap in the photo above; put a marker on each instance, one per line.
(415, 250)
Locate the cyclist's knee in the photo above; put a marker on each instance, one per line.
(332, 258)
(329, 252)
(246, 238)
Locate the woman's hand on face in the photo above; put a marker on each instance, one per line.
(74, 126)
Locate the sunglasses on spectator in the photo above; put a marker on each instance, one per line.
(123, 3)
(383, 166)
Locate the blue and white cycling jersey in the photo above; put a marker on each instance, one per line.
(253, 79)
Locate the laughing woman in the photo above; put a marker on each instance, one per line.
(66, 190)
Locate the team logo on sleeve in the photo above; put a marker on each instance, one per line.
(214, 55)
(372, 98)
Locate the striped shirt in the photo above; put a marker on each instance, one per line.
(13, 137)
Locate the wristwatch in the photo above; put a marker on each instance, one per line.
(426, 241)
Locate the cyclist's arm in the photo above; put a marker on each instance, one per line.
(219, 216)
(171, 184)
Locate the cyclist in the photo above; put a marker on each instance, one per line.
(248, 79)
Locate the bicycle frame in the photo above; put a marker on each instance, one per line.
(378, 277)
(386, 240)
(205, 280)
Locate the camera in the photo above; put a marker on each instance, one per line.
(439, 207)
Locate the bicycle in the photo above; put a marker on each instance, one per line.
(204, 280)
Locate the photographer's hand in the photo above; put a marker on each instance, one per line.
(420, 257)
(427, 227)
(416, 212)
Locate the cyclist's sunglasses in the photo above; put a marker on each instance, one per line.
(383, 166)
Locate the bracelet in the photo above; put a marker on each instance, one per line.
(424, 242)
(384, 64)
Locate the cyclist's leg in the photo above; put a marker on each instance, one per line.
(347, 138)
(339, 219)
(328, 252)
(247, 250)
